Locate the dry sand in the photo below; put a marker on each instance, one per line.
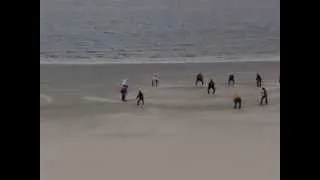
(182, 133)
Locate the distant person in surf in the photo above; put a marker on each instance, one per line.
(231, 79)
(237, 102)
(155, 80)
(124, 89)
(259, 80)
(140, 98)
(211, 85)
(199, 78)
(264, 97)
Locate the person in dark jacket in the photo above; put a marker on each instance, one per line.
(259, 80)
(264, 96)
(199, 78)
(237, 102)
(211, 85)
(124, 91)
(231, 80)
(140, 98)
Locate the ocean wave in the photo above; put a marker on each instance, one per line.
(175, 60)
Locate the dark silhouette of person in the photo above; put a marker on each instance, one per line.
(140, 98)
(231, 80)
(199, 78)
(237, 102)
(124, 91)
(259, 80)
(211, 85)
(264, 96)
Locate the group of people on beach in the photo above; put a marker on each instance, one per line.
(237, 100)
(140, 97)
(211, 84)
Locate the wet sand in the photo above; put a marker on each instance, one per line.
(181, 133)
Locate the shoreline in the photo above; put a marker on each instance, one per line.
(155, 63)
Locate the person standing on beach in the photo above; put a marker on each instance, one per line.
(231, 80)
(199, 78)
(211, 85)
(237, 102)
(155, 80)
(124, 90)
(264, 96)
(259, 80)
(140, 98)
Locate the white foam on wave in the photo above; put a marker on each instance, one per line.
(175, 60)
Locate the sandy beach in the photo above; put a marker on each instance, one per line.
(181, 133)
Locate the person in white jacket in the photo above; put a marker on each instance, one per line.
(155, 80)
(124, 89)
